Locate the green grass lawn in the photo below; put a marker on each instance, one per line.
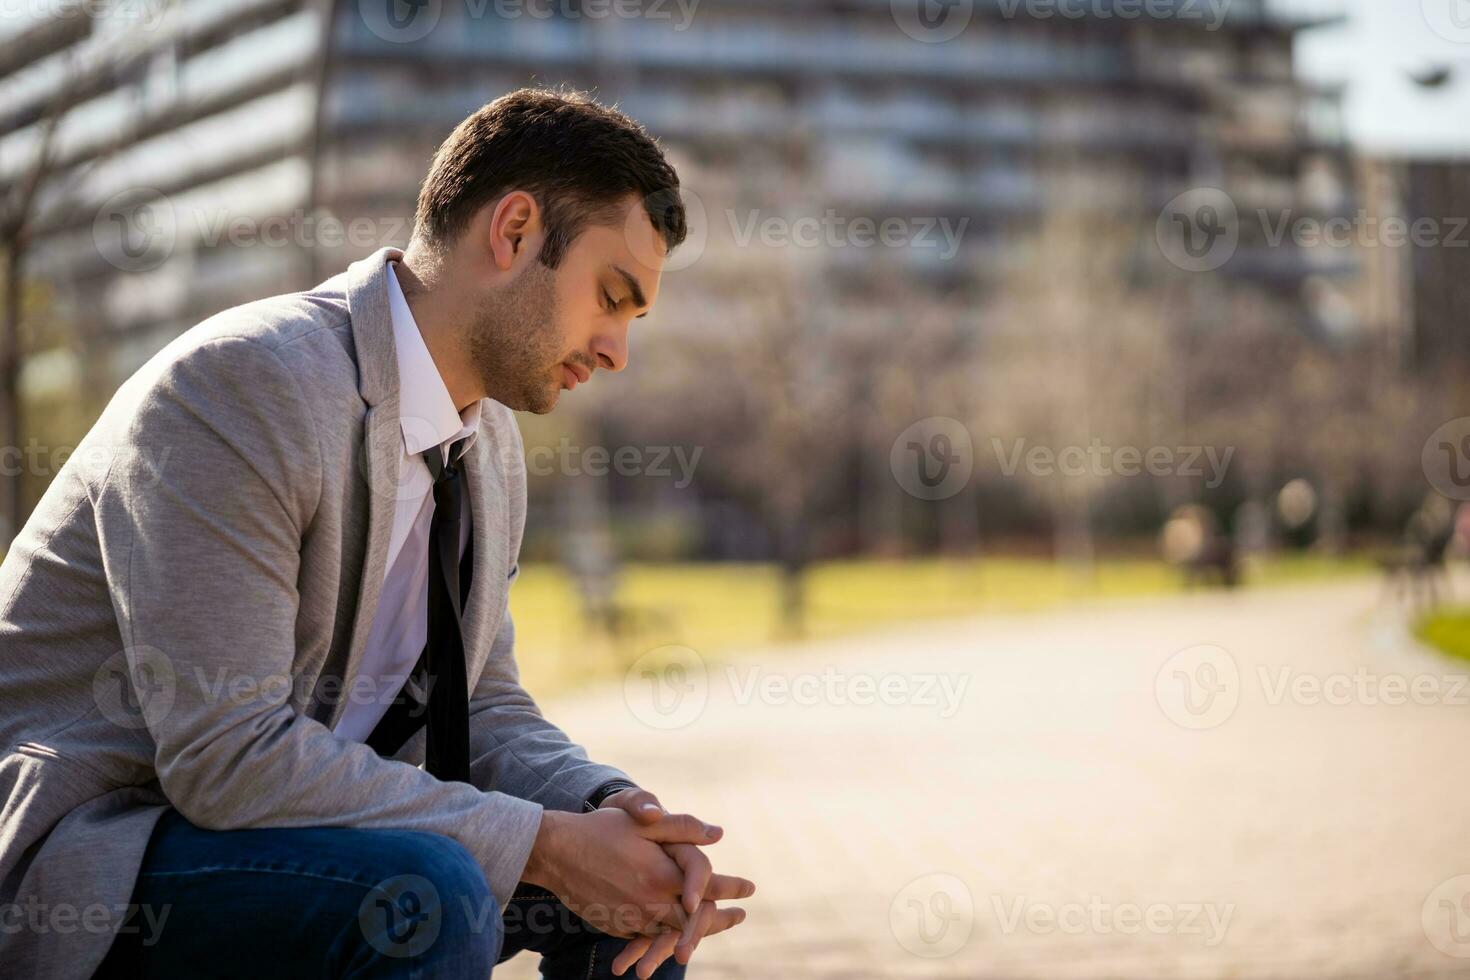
(715, 608)
(1447, 630)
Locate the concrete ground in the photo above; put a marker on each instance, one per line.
(1260, 784)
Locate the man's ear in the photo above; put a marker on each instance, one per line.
(515, 222)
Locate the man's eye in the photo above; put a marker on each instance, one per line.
(609, 302)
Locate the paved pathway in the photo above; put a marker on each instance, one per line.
(1222, 785)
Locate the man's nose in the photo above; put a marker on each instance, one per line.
(611, 351)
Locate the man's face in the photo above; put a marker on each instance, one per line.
(549, 330)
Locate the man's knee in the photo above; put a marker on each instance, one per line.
(432, 905)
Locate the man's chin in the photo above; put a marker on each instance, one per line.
(541, 403)
(536, 401)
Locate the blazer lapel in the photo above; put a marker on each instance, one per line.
(487, 516)
(372, 334)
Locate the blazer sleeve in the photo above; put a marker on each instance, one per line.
(205, 533)
(513, 747)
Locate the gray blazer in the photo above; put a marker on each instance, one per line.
(182, 617)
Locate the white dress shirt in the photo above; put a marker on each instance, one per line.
(427, 417)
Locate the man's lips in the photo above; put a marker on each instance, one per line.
(574, 374)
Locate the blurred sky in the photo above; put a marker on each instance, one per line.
(1376, 53)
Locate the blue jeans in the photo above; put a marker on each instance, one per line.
(339, 902)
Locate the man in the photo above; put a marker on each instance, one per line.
(272, 582)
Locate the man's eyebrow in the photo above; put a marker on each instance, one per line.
(639, 300)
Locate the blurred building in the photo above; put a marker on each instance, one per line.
(238, 111)
(1417, 277)
(165, 161)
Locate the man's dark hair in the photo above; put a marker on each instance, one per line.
(578, 159)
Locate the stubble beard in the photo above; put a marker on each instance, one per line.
(515, 346)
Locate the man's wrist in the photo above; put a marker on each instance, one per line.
(601, 793)
(541, 865)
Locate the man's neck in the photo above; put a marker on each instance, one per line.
(436, 311)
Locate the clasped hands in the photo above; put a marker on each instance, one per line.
(635, 871)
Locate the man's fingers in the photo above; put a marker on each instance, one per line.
(696, 930)
(725, 887)
(726, 918)
(681, 828)
(662, 946)
(639, 804)
(669, 915)
(631, 953)
(697, 871)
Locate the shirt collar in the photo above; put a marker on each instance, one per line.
(426, 413)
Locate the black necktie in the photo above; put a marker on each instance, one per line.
(440, 670)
